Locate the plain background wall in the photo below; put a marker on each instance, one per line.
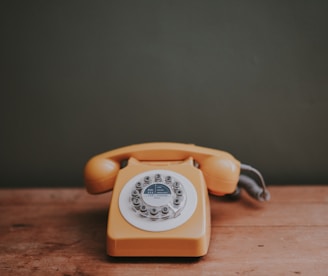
(82, 77)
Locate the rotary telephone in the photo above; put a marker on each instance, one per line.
(160, 202)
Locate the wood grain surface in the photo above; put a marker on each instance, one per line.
(62, 232)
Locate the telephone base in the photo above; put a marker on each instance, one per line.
(129, 234)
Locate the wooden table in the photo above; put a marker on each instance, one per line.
(62, 232)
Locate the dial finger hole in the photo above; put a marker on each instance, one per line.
(177, 201)
(136, 202)
(158, 177)
(153, 211)
(143, 208)
(176, 185)
(168, 179)
(138, 186)
(165, 210)
(135, 193)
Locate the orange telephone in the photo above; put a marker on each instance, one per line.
(160, 203)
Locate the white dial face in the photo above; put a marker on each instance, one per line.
(158, 200)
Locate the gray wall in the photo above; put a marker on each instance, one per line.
(82, 77)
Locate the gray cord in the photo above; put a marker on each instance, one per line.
(251, 185)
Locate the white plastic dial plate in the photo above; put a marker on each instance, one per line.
(147, 224)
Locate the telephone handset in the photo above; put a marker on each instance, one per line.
(160, 203)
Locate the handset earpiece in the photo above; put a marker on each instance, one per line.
(100, 174)
(221, 173)
(225, 175)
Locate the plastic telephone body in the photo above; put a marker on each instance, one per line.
(160, 204)
(188, 239)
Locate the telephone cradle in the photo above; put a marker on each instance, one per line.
(160, 203)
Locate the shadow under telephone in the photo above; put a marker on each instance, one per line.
(160, 202)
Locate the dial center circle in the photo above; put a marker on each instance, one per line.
(157, 194)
